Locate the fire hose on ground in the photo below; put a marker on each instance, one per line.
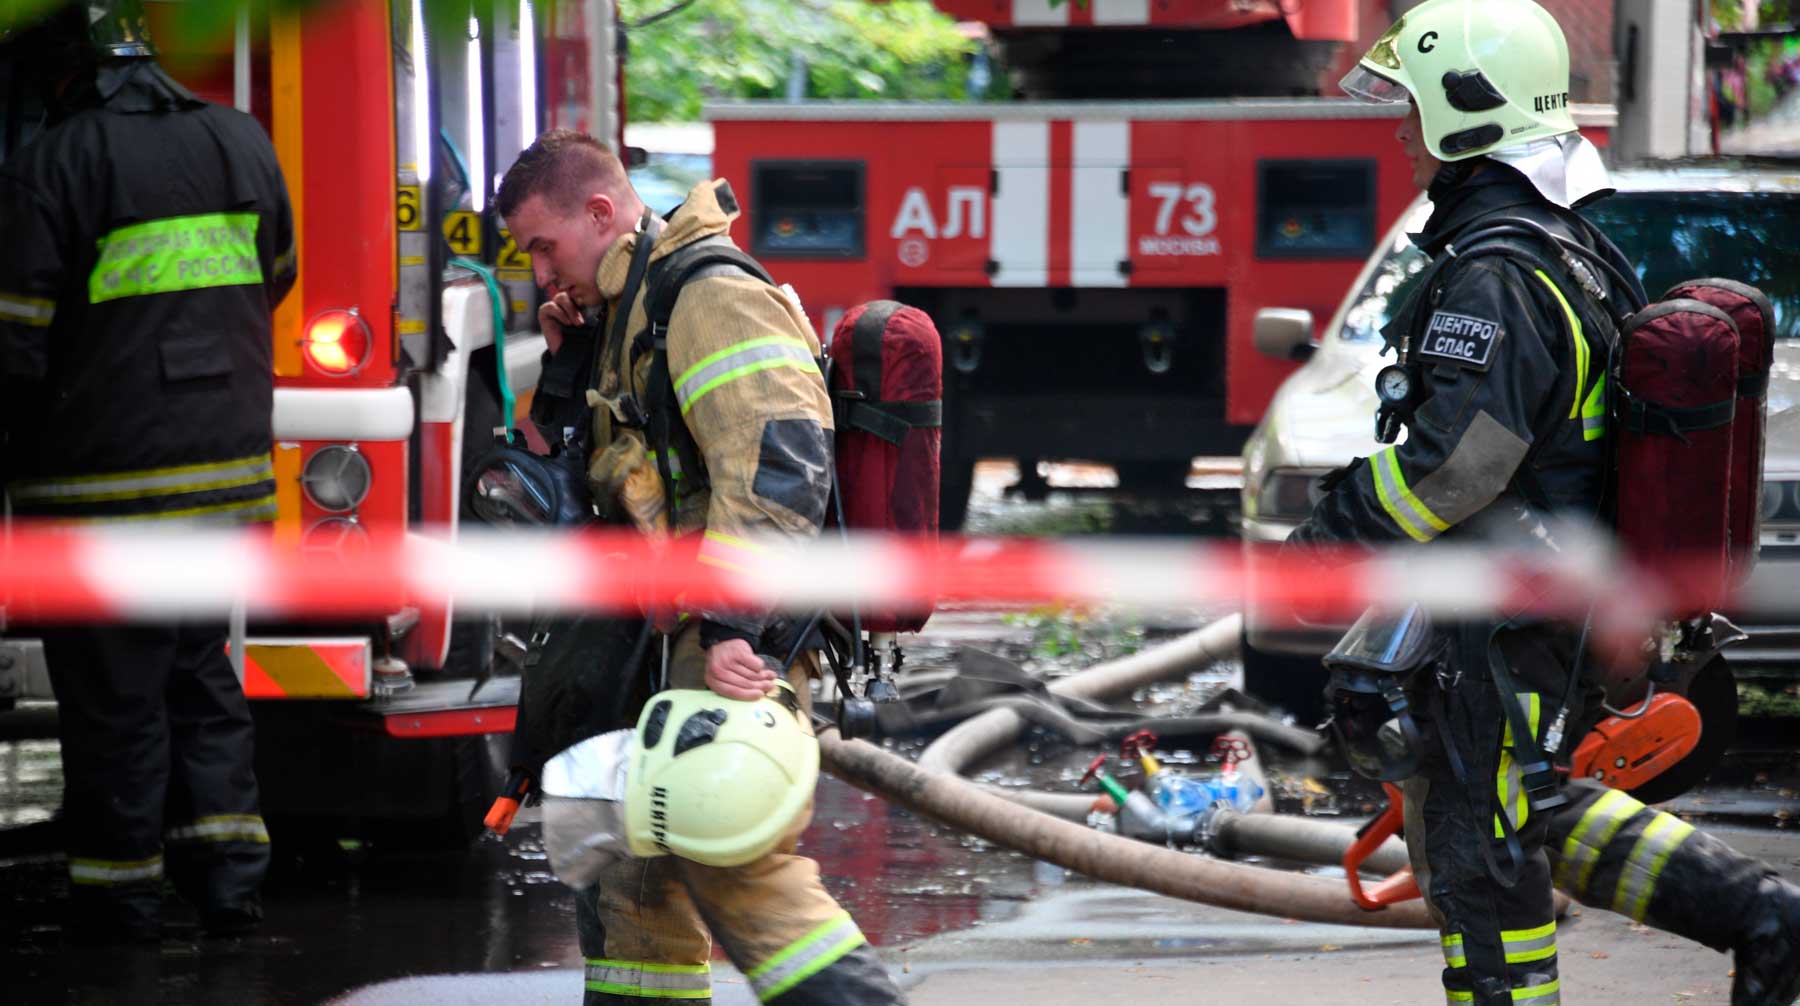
(1033, 824)
(964, 805)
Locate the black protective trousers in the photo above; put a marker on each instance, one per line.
(1603, 847)
(1498, 938)
(157, 757)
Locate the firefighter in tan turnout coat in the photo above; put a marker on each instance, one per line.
(749, 426)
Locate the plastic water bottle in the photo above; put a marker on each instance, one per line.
(1236, 791)
(1177, 795)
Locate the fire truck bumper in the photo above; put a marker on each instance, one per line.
(1106, 428)
(448, 708)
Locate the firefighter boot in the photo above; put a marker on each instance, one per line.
(1619, 854)
(1768, 949)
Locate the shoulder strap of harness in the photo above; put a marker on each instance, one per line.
(667, 278)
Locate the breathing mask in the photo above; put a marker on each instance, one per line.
(1371, 710)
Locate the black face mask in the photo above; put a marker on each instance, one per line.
(1371, 669)
(1376, 731)
(512, 487)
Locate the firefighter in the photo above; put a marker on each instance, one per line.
(1498, 391)
(148, 238)
(748, 427)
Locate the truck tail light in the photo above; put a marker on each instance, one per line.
(337, 342)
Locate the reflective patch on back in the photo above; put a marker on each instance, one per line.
(175, 254)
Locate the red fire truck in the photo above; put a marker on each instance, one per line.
(387, 116)
(1095, 265)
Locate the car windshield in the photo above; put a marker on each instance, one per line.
(1669, 236)
(663, 180)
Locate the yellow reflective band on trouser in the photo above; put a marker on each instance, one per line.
(1510, 781)
(729, 551)
(649, 981)
(1591, 409)
(1412, 516)
(805, 957)
(1455, 997)
(114, 872)
(21, 310)
(147, 483)
(1547, 994)
(1581, 852)
(741, 360)
(221, 828)
(1526, 945)
(174, 254)
(1645, 863)
(1453, 951)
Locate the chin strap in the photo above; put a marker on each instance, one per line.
(1450, 175)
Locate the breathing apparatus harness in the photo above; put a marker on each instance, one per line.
(1374, 667)
(843, 645)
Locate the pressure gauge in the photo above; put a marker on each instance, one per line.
(1393, 385)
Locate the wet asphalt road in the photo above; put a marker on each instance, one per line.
(362, 924)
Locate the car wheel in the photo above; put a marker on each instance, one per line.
(1294, 683)
(1713, 691)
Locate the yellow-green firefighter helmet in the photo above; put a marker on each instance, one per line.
(1485, 74)
(719, 781)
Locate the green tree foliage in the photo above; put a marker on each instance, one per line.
(722, 49)
(1730, 13)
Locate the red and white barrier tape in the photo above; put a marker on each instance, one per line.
(98, 572)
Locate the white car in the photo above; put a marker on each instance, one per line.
(1674, 223)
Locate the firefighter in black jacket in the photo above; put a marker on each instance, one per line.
(1500, 391)
(148, 240)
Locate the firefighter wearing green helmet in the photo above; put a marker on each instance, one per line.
(148, 238)
(1506, 433)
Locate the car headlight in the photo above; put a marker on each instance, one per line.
(1289, 494)
(336, 478)
(1774, 494)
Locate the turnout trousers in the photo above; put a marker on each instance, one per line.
(647, 926)
(1603, 848)
(1499, 941)
(158, 773)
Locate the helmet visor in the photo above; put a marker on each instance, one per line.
(1371, 88)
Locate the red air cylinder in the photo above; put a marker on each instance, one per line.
(1676, 391)
(1754, 316)
(887, 388)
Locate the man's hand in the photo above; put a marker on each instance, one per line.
(554, 315)
(735, 671)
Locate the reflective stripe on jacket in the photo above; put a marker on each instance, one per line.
(745, 386)
(1522, 419)
(149, 239)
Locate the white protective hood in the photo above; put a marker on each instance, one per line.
(1566, 169)
(584, 807)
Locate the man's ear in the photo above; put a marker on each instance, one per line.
(600, 210)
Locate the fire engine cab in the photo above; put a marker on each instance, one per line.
(1096, 265)
(393, 121)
